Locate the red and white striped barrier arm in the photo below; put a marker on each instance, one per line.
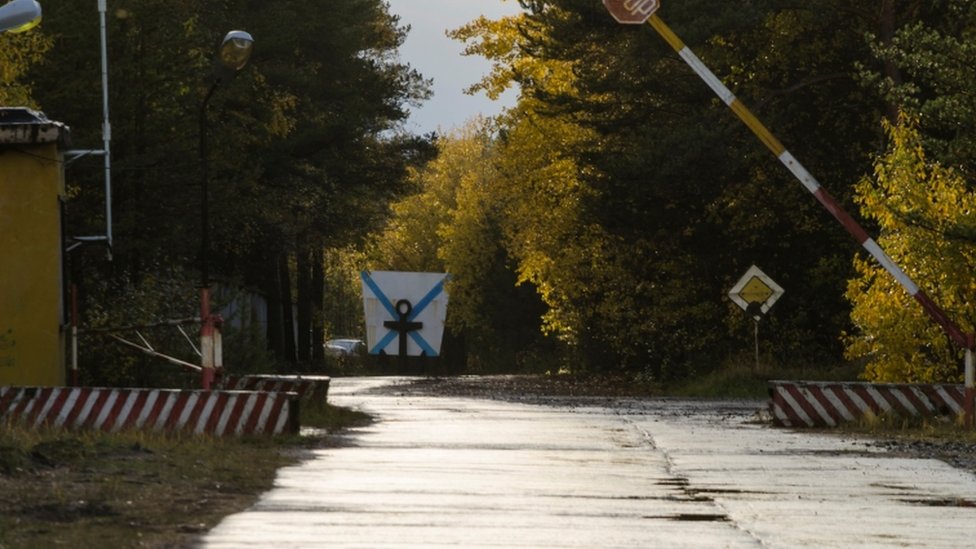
(809, 182)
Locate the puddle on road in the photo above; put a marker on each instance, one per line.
(945, 502)
(889, 486)
(703, 494)
(725, 491)
(691, 517)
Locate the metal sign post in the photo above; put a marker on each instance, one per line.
(755, 293)
(965, 341)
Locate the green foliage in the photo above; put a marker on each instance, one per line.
(332, 418)
(632, 198)
(305, 148)
(344, 315)
(125, 301)
(454, 223)
(927, 216)
(934, 59)
(17, 53)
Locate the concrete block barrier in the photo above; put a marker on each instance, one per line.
(311, 389)
(826, 404)
(215, 413)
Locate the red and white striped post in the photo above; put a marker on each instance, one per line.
(206, 341)
(74, 335)
(634, 11)
(970, 403)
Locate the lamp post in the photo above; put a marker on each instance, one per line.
(234, 52)
(19, 15)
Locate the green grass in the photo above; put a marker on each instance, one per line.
(912, 428)
(331, 418)
(747, 381)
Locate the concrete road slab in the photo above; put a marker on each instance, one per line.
(453, 472)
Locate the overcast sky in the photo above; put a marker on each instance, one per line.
(436, 56)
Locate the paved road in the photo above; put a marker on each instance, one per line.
(449, 472)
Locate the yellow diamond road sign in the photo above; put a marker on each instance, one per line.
(756, 291)
(755, 288)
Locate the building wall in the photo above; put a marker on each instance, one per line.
(31, 341)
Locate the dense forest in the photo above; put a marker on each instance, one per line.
(597, 226)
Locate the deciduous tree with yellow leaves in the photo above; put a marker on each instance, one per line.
(927, 217)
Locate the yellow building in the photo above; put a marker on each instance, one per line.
(31, 194)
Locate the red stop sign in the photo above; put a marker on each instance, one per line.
(632, 12)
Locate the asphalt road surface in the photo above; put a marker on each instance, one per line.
(595, 473)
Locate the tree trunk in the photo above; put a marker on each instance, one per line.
(317, 302)
(304, 282)
(288, 323)
(272, 289)
(887, 26)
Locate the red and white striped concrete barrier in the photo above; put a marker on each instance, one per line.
(215, 413)
(311, 389)
(826, 404)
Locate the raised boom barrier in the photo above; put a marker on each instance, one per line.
(643, 11)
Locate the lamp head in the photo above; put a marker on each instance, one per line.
(235, 50)
(19, 15)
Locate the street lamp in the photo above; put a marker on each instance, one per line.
(234, 52)
(19, 15)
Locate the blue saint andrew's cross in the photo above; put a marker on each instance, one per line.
(403, 315)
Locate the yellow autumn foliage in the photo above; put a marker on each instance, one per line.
(17, 53)
(926, 214)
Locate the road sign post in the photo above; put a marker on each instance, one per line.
(755, 293)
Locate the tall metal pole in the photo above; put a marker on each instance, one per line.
(106, 126)
(105, 151)
(234, 52)
(206, 318)
(755, 337)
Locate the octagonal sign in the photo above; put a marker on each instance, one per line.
(632, 12)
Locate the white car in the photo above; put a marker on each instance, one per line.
(344, 347)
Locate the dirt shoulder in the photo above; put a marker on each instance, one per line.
(85, 489)
(128, 491)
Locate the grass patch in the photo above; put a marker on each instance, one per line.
(935, 429)
(748, 381)
(332, 418)
(137, 489)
